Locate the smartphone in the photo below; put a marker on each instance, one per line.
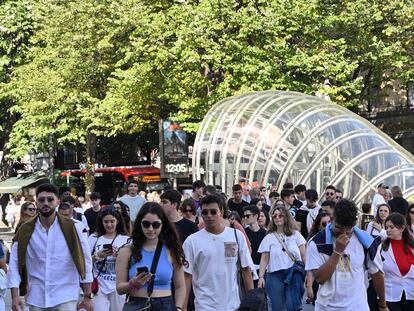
(107, 246)
(142, 269)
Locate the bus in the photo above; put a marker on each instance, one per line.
(111, 182)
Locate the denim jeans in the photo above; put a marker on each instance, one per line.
(276, 291)
(157, 304)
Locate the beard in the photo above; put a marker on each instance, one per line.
(46, 213)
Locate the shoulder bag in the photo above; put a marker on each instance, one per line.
(146, 306)
(95, 283)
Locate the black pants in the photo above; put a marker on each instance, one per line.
(372, 297)
(403, 305)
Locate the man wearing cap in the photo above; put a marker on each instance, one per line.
(378, 197)
(49, 259)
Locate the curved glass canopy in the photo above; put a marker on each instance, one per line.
(274, 137)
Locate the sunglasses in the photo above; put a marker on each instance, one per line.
(411, 212)
(188, 211)
(49, 199)
(339, 198)
(330, 193)
(247, 216)
(155, 225)
(205, 212)
(30, 209)
(277, 216)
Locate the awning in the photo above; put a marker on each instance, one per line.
(14, 184)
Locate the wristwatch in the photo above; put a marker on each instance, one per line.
(89, 295)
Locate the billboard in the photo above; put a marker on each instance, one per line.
(173, 150)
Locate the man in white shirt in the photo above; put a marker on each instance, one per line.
(133, 200)
(65, 209)
(49, 258)
(212, 260)
(339, 257)
(378, 197)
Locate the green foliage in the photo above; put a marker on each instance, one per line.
(106, 67)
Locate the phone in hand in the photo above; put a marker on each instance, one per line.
(107, 246)
(142, 269)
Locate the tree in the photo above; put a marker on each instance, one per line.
(18, 22)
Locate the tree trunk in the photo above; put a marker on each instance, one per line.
(90, 163)
(52, 150)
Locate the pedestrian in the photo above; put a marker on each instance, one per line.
(133, 200)
(281, 248)
(104, 244)
(92, 213)
(254, 233)
(377, 226)
(398, 254)
(153, 236)
(49, 257)
(320, 223)
(264, 219)
(398, 204)
(213, 254)
(236, 203)
(378, 197)
(189, 211)
(339, 258)
(170, 202)
(124, 210)
(27, 211)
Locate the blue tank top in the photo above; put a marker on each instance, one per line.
(164, 271)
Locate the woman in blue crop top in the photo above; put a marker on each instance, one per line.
(152, 226)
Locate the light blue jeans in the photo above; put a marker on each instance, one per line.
(66, 306)
(276, 291)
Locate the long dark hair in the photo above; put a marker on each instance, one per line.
(316, 224)
(124, 213)
(408, 218)
(168, 235)
(110, 210)
(398, 220)
(377, 217)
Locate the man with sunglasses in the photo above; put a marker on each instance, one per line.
(330, 193)
(339, 257)
(212, 255)
(49, 258)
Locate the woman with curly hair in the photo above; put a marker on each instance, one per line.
(151, 230)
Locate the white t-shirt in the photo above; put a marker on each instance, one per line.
(212, 262)
(373, 231)
(107, 277)
(376, 200)
(134, 203)
(346, 289)
(279, 259)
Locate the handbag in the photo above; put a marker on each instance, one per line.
(240, 280)
(95, 283)
(137, 305)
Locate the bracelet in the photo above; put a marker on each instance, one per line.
(178, 308)
(338, 253)
(261, 277)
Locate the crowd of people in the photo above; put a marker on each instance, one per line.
(255, 249)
